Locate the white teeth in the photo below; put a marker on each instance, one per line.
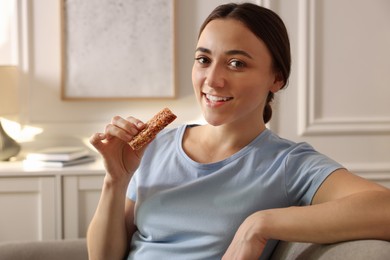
(216, 99)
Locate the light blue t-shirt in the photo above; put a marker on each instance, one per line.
(189, 210)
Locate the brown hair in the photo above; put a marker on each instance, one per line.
(267, 26)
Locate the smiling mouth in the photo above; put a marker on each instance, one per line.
(213, 98)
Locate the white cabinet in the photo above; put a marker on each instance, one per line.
(28, 208)
(47, 204)
(80, 197)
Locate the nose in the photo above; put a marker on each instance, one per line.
(215, 77)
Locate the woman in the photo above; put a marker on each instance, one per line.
(231, 188)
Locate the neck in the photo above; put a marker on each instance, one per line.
(237, 136)
(207, 144)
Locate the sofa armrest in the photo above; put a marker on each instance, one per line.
(45, 250)
(77, 250)
(349, 250)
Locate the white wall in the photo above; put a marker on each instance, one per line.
(338, 97)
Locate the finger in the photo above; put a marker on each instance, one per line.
(130, 125)
(96, 140)
(138, 123)
(115, 131)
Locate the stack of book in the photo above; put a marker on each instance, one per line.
(58, 157)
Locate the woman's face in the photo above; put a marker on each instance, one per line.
(232, 73)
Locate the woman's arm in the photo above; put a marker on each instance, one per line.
(345, 207)
(111, 227)
(110, 230)
(363, 215)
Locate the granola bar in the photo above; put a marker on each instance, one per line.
(153, 127)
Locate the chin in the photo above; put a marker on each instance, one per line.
(214, 120)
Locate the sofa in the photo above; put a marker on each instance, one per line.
(350, 250)
(77, 250)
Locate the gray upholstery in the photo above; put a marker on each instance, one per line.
(36, 250)
(77, 250)
(351, 250)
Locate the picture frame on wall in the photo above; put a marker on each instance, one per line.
(118, 49)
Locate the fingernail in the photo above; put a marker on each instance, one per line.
(129, 137)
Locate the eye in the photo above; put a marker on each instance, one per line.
(202, 60)
(237, 64)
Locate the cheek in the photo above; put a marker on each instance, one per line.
(254, 95)
(196, 78)
(196, 83)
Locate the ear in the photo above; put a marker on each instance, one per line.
(278, 83)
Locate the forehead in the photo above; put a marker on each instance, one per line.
(230, 34)
(227, 25)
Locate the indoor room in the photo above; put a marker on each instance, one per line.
(74, 75)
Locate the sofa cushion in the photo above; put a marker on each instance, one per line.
(42, 250)
(350, 250)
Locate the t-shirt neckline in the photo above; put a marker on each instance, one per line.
(240, 153)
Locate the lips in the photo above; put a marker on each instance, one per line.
(213, 98)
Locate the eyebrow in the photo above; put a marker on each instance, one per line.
(230, 52)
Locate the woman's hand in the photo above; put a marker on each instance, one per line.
(248, 242)
(120, 159)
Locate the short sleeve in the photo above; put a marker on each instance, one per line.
(305, 171)
(132, 188)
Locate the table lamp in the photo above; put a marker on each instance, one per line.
(8, 106)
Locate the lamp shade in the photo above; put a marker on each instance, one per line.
(9, 90)
(9, 105)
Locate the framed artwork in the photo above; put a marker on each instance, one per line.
(117, 49)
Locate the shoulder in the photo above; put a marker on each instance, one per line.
(277, 147)
(169, 133)
(165, 141)
(296, 157)
(290, 149)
